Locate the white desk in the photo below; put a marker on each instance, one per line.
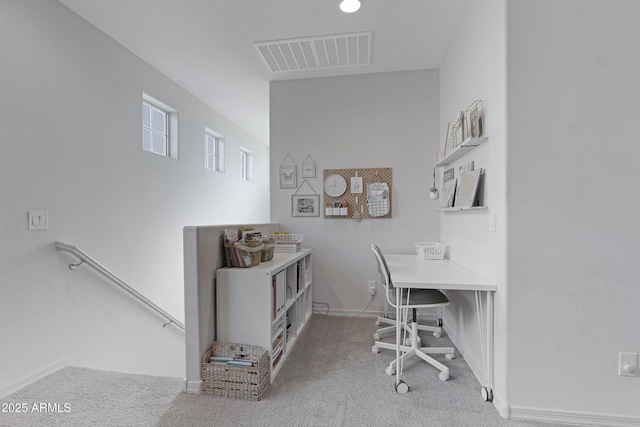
(410, 271)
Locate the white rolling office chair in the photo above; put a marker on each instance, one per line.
(412, 299)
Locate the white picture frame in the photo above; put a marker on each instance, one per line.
(474, 120)
(466, 194)
(309, 169)
(288, 176)
(448, 193)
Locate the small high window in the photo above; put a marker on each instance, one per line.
(246, 165)
(213, 151)
(159, 128)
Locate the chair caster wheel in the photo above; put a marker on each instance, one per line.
(390, 370)
(437, 334)
(376, 337)
(449, 356)
(402, 387)
(443, 376)
(407, 342)
(375, 349)
(487, 394)
(378, 323)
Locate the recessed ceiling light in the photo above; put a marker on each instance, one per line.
(349, 6)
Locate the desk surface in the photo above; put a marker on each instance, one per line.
(410, 271)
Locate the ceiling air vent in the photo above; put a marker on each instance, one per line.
(313, 53)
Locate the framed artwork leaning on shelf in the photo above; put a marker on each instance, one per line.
(466, 194)
(448, 193)
(474, 120)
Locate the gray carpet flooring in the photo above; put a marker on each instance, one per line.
(333, 379)
(82, 397)
(330, 379)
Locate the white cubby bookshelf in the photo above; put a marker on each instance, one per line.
(268, 305)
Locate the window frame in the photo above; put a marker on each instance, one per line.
(246, 165)
(171, 127)
(214, 161)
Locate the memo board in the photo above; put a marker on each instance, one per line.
(354, 205)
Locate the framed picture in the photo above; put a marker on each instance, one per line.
(451, 138)
(466, 194)
(474, 119)
(305, 205)
(458, 129)
(448, 193)
(465, 168)
(448, 175)
(308, 168)
(288, 176)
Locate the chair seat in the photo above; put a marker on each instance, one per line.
(420, 297)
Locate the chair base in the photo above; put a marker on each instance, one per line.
(388, 330)
(423, 353)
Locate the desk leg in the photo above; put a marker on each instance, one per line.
(401, 387)
(398, 332)
(486, 343)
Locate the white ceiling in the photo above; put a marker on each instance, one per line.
(206, 46)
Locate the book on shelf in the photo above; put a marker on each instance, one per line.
(276, 359)
(274, 289)
(276, 341)
(229, 361)
(220, 359)
(241, 363)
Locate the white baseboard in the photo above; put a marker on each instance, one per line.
(475, 368)
(501, 406)
(375, 313)
(366, 313)
(33, 377)
(193, 387)
(571, 418)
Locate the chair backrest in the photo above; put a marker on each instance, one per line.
(385, 275)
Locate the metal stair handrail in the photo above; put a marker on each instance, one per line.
(91, 262)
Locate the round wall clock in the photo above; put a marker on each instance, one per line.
(335, 185)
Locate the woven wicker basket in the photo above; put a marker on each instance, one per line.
(243, 255)
(240, 382)
(267, 250)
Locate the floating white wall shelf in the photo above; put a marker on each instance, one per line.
(466, 146)
(462, 208)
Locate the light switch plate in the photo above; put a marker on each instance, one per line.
(38, 220)
(494, 220)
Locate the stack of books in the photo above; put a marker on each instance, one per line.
(286, 242)
(286, 247)
(231, 361)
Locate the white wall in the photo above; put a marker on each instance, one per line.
(70, 130)
(474, 69)
(573, 213)
(374, 120)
